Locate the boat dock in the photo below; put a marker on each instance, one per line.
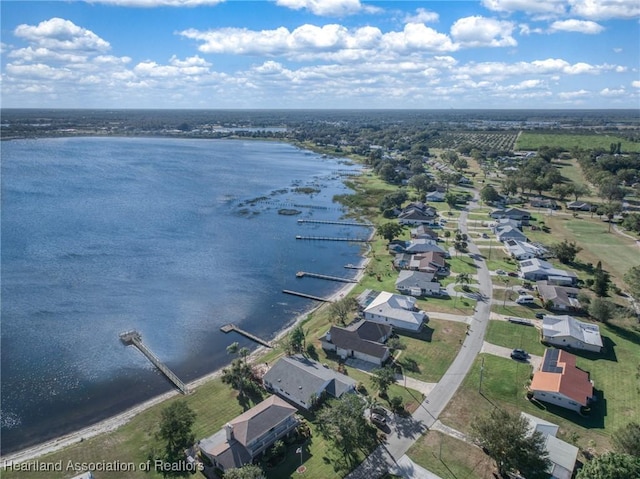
(135, 338)
(305, 295)
(327, 222)
(302, 274)
(353, 266)
(328, 238)
(227, 328)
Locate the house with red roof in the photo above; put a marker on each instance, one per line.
(559, 381)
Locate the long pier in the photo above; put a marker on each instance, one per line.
(135, 338)
(232, 327)
(329, 222)
(353, 266)
(305, 295)
(329, 238)
(302, 274)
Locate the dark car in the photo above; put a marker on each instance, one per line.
(378, 420)
(512, 274)
(539, 315)
(379, 410)
(519, 354)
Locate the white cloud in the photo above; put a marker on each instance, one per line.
(536, 7)
(549, 66)
(572, 95)
(328, 8)
(60, 34)
(578, 26)
(157, 3)
(479, 31)
(422, 15)
(608, 92)
(332, 41)
(41, 54)
(635, 83)
(605, 9)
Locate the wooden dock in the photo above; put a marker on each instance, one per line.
(302, 274)
(328, 222)
(135, 338)
(353, 266)
(305, 295)
(227, 328)
(329, 238)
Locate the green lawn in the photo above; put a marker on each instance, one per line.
(511, 335)
(449, 457)
(532, 141)
(462, 264)
(429, 355)
(518, 311)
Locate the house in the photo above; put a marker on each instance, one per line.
(544, 203)
(423, 232)
(435, 196)
(563, 298)
(560, 382)
(512, 213)
(417, 246)
(418, 213)
(567, 331)
(562, 455)
(244, 438)
(362, 340)
(303, 381)
(536, 269)
(394, 309)
(578, 206)
(510, 233)
(522, 250)
(402, 260)
(429, 262)
(417, 283)
(502, 222)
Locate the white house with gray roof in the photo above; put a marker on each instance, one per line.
(536, 269)
(567, 331)
(396, 310)
(303, 381)
(562, 455)
(417, 283)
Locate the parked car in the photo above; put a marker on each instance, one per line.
(525, 299)
(519, 354)
(379, 410)
(485, 235)
(512, 274)
(501, 272)
(378, 420)
(539, 315)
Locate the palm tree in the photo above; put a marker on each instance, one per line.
(463, 279)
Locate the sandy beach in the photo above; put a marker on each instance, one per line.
(123, 418)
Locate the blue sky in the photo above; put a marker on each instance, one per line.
(320, 54)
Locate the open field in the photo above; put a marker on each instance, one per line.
(533, 141)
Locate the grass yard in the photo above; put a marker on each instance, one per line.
(429, 355)
(448, 305)
(518, 311)
(449, 457)
(511, 335)
(533, 141)
(462, 264)
(617, 253)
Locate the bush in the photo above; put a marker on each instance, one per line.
(396, 404)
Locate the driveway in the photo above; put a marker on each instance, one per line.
(503, 352)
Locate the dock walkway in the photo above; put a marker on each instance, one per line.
(302, 274)
(328, 222)
(227, 328)
(135, 338)
(329, 238)
(305, 295)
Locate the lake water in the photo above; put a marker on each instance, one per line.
(173, 238)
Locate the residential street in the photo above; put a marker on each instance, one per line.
(410, 429)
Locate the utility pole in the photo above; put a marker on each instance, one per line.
(481, 372)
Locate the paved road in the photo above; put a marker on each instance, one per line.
(408, 430)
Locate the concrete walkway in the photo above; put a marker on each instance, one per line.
(503, 352)
(407, 469)
(460, 318)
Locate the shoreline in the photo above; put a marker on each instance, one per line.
(112, 423)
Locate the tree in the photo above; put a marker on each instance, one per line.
(464, 279)
(448, 178)
(506, 439)
(451, 199)
(561, 191)
(421, 182)
(611, 465)
(248, 471)
(601, 281)
(345, 426)
(238, 375)
(233, 348)
(601, 310)
(393, 200)
(611, 209)
(342, 308)
(627, 439)
(388, 173)
(176, 422)
(296, 340)
(632, 278)
(578, 190)
(382, 378)
(631, 222)
(389, 231)
(566, 251)
(488, 194)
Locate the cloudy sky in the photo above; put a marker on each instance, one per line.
(321, 54)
